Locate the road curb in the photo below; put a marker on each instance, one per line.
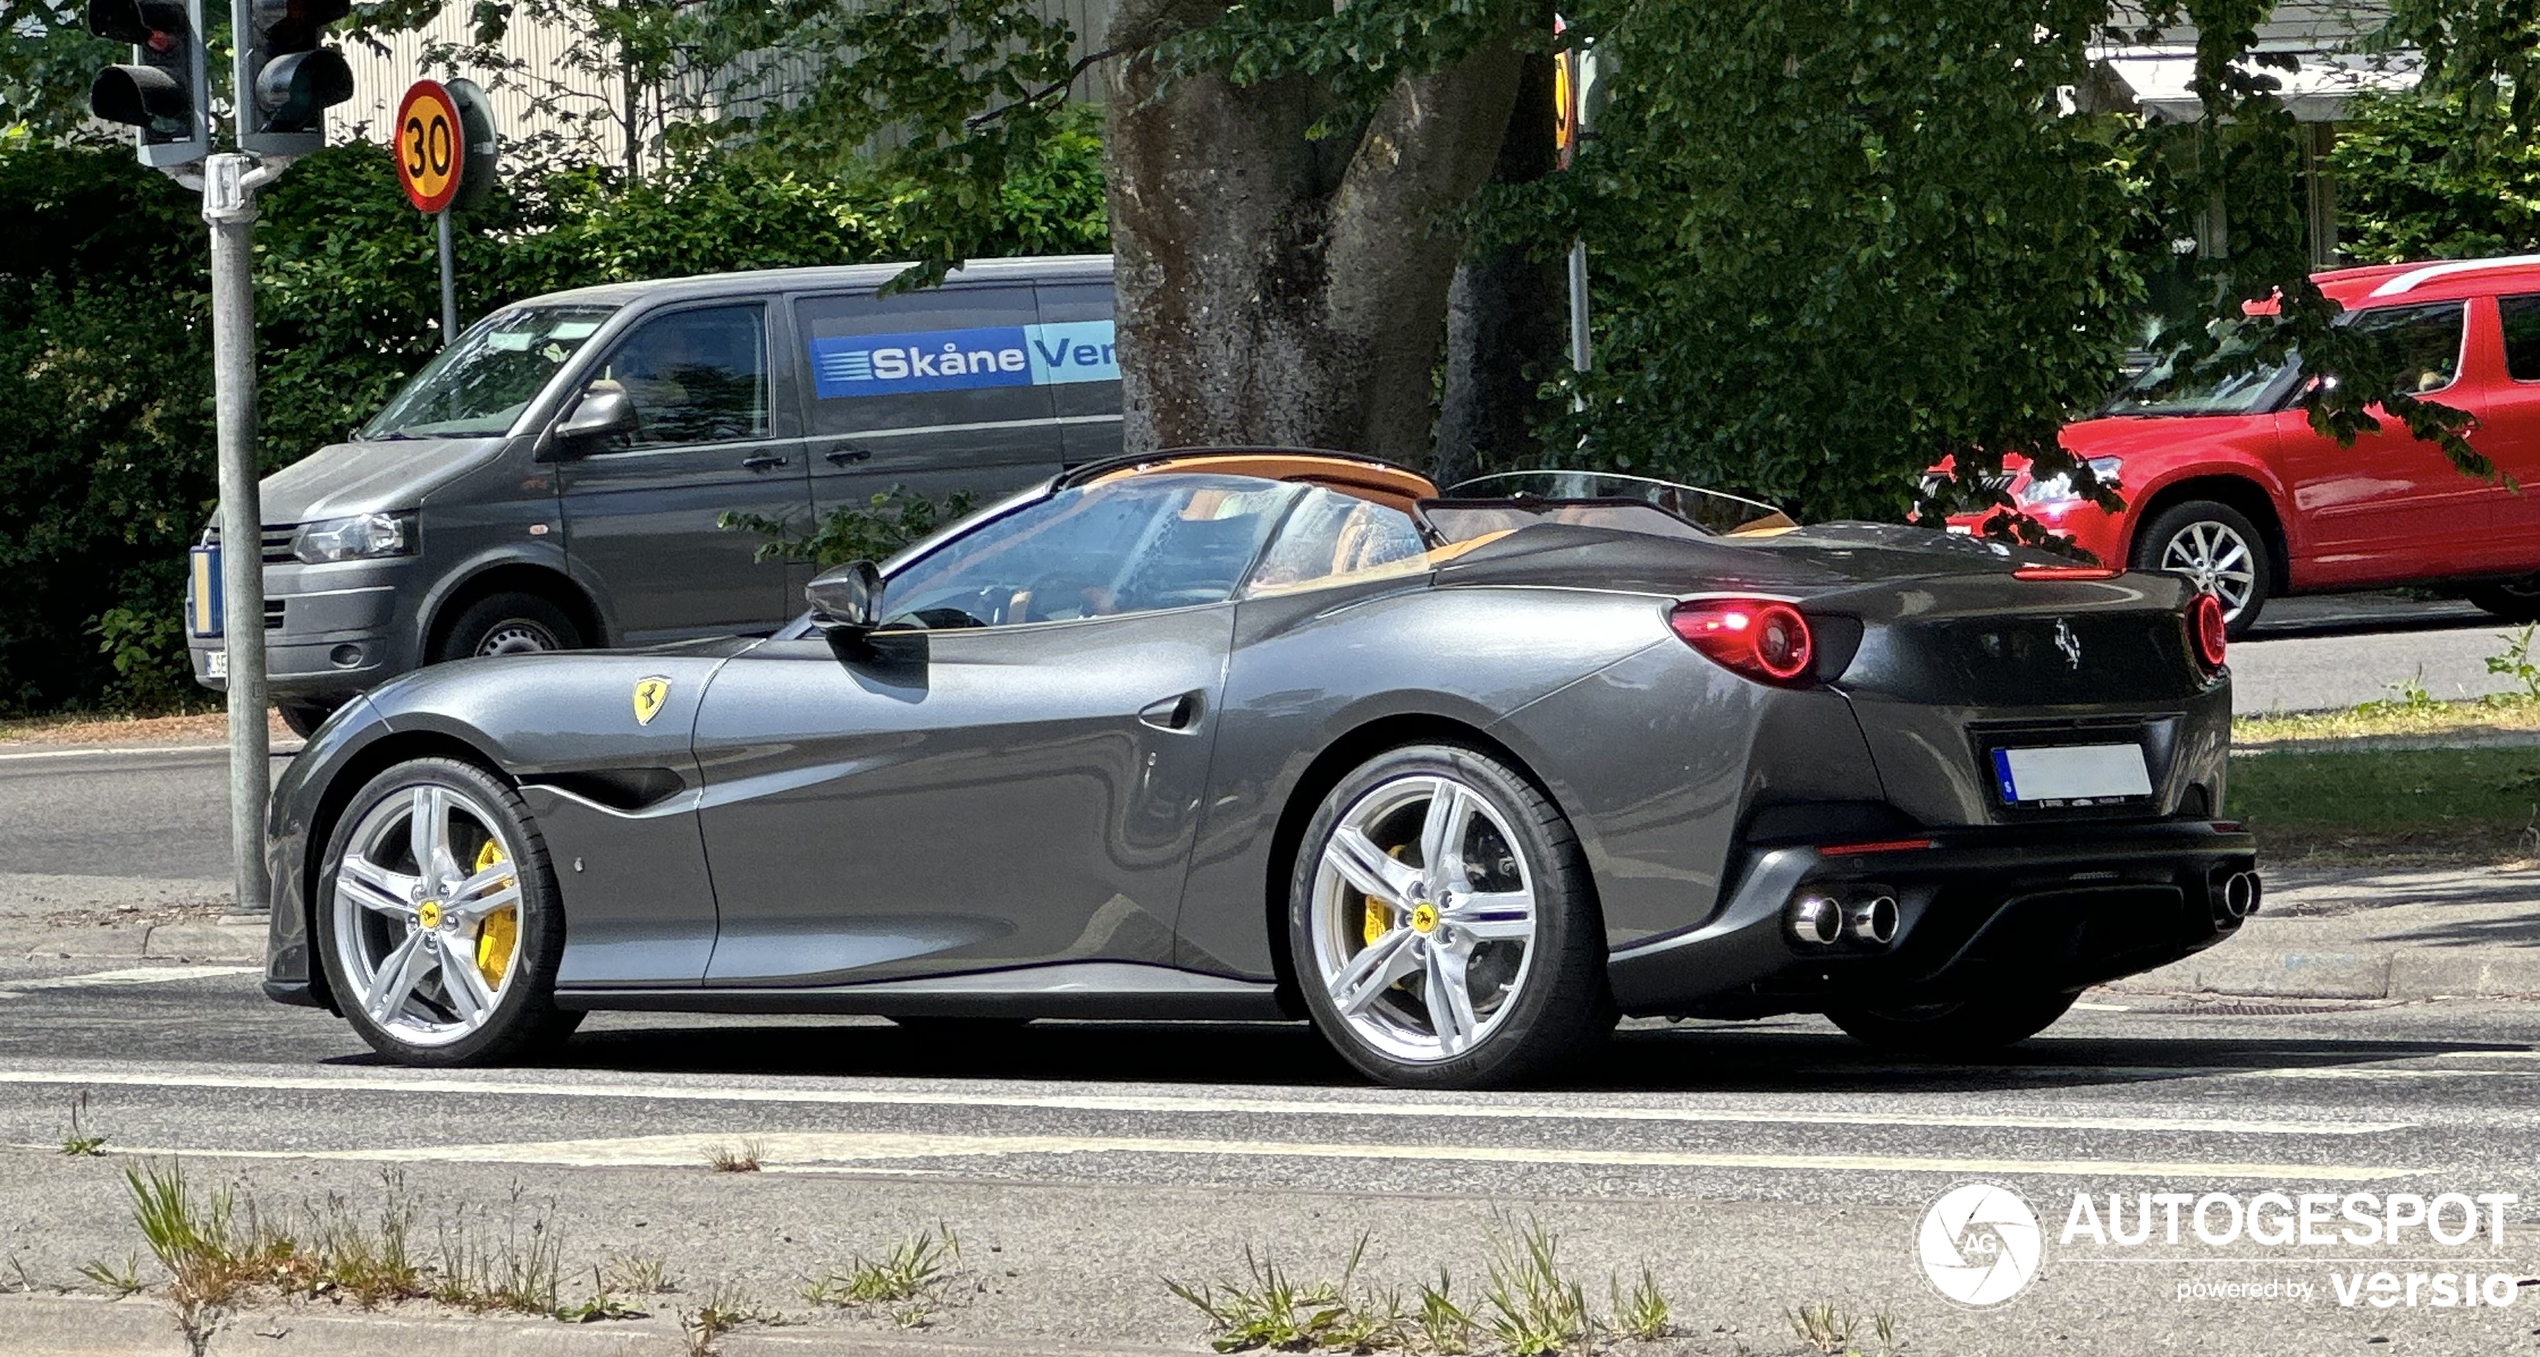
(2349, 973)
(92, 1326)
(244, 941)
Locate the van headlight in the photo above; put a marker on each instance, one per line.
(359, 538)
(2058, 488)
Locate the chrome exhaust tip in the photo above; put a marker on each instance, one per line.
(1873, 920)
(2240, 895)
(1816, 920)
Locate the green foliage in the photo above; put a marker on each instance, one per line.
(2402, 194)
(872, 531)
(1835, 240)
(2515, 661)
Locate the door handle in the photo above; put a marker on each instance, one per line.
(1176, 714)
(842, 456)
(764, 463)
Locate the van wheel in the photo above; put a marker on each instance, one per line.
(303, 718)
(508, 624)
(2219, 550)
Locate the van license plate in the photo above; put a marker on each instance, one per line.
(216, 664)
(2071, 775)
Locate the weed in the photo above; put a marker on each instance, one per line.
(121, 1279)
(1640, 1314)
(83, 1139)
(601, 1304)
(1884, 1325)
(1273, 1311)
(913, 1268)
(1445, 1327)
(2515, 662)
(1534, 1310)
(722, 1310)
(520, 1272)
(1823, 1327)
(210, 1256)
(2408, 697)
(369, 1266)
(727, 1159)
(637, 1274)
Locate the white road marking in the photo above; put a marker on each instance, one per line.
(837, 1152)
(117, 751)
(2103, 1008)
(2524, 1054)
(1196, 1105)
(137, 975)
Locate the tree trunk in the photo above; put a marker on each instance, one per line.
(1276, 290)
(1504, 313)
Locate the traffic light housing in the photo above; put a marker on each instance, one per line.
(288, 77)
(163, 93)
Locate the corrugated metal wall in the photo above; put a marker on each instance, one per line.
(580, 105)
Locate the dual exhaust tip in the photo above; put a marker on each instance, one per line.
(2236, 897)
(1823, 920)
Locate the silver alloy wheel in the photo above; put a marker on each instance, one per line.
(417, 923)
(2217, 559)
(1429, 867)
(517, 636)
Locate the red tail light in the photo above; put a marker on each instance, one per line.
(1756, 637)
(2066, 572)
(2205, 629)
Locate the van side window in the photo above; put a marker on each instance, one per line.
(2522, 336)
(695, 376)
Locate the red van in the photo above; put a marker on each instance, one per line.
(2225, 481)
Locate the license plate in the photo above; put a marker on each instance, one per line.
(216, 664)
(2071, 775)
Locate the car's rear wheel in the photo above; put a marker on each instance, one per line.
(508, 623)
(2512, 600)
(2218, 549)
(1444, 927)
(438, 919)
(1968, 1027)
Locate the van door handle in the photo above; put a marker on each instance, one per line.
(1176, 714)
(842, 456)
(764, 463)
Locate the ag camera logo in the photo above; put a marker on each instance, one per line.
(1980, 1244)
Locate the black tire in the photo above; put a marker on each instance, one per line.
(303, 718)
(1971, 1027)
(2161, 541)
(1560, 1007)
(509, 623)
(2510, 601)
(524, 1020)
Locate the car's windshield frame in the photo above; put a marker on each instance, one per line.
(396, 419)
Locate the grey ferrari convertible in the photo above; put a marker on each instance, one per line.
(1460, 778)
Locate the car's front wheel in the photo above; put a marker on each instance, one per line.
(438, 919)
(1443, 925)
(1968, 1027)
(2219, 550)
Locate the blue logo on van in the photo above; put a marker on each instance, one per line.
(959, 360)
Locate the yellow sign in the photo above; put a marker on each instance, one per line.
(650, 693)
(430, 149)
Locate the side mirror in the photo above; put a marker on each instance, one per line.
(603, 412)
(846, 600)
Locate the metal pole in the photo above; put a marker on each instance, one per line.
(229, 206)
(449, 284)
(1578, 306)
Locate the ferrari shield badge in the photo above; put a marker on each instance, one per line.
(650, 693)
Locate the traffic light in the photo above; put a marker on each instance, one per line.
(163, 93)
(290, 79)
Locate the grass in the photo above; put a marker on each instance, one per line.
(1529, 1306)
(742, 1158)
(1829, 1331)
(2390, 805)
(721, 1310)
(83, 1140)
(2408, 713)
(904, 1283)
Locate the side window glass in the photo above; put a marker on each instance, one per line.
(1331, 536)
(1129, 546)
(695, 376)
(2522, 336)
(2423, 342)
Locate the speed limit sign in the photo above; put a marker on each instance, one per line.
(431, 152)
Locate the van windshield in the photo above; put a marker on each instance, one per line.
(476, 387)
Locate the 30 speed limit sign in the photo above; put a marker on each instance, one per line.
(431, 151)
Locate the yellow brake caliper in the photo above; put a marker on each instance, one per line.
(495, 936)
(1379, 917)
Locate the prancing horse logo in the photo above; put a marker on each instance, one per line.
(650, 693)
(2065, 641)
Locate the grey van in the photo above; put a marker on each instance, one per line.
(553, 480)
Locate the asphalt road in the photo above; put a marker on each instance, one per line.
(1752, 1168)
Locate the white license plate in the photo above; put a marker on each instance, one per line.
(2080, 774)
(216, 664)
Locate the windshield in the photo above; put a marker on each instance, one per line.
(1713, 511)
(476, 387)
(2209, 387)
